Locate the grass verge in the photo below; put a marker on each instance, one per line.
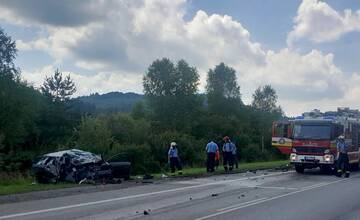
(22, 184)
(29, 187)
(243, 167)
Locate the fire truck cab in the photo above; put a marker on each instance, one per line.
(311, 141)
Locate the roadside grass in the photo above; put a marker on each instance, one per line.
(243, 167)
(22, 183)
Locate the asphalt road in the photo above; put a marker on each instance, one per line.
(265, 195)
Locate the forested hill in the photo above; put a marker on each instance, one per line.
(111, 102)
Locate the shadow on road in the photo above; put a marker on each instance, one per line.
(319, 172)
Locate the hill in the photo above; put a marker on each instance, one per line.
(110, 102)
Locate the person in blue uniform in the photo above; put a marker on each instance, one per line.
(173, 158)
(228, 149)
(343, 158)
(211, 149)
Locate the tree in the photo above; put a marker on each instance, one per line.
(58, 88)
(58, 119)
(222, 90)
(171, 91)
(265, 98)
(8, 53)
(94, 135)
(163, 78)
(138, 110)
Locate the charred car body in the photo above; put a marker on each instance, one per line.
(76, 166)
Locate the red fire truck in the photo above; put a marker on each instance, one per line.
(311, 140)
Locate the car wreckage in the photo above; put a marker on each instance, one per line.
(78, 166)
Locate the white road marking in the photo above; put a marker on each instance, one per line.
(241, 204)
(275, 187)
(269, 199)
(132, 196)
(315, 185)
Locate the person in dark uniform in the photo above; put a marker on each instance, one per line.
(211, 149)
(228, 149)
(343, 158)
(173, 158)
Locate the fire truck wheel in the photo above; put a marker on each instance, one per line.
(299, 168)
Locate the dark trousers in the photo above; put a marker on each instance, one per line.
(210, 162)
(343, 164)
(175, 163)
(228, 160)
(236, 162)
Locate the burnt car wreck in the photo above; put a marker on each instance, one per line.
(78, 166)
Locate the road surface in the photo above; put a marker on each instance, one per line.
(264, 195)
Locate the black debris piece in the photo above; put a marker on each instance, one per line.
(214, 194)
(146, 212)
(148, 177)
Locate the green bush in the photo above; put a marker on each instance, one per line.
(140, 156)
(191, 151)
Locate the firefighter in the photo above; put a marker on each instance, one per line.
(211, 149)
(173, 158)
(228, 149)
(342, 157)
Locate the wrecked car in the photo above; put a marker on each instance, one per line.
(78, 166)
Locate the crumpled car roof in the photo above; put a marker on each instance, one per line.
(83, 157)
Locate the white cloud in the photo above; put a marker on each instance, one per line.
(118, 48)
(319, 22)
(101, 82)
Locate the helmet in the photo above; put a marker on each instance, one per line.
(341, 137)
(173, 144)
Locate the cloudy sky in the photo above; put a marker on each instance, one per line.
(307, 50)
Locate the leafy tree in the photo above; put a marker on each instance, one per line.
(94, 135)
(265, 112)
(19, 112)
(187, 79)
(138, 110)
(265, 98)
(160, 79)
(7, 55)
(171, 91)
(58, 88)
(222, 90)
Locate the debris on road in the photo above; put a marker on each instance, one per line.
(148, 177)
(146, 212)
(214, 194)
(77, 166)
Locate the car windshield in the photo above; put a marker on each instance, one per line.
(312, 132)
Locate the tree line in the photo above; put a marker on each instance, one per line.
(40, 120)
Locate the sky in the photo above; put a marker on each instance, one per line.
(308, 50)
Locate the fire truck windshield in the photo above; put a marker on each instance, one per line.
(315, 132)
